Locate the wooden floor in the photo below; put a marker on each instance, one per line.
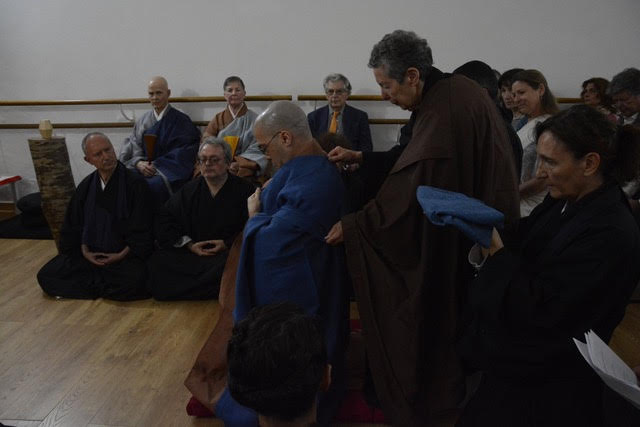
(104, 363)
(92, 363)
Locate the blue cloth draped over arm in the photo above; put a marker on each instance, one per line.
(475, 219)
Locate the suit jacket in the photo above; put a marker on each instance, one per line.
(355, 126)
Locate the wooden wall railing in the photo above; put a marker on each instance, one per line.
(117, 101)
(106, 125)
(351, 98)
(94, 125)
(121, 101)
(379, 98)
(137, 100)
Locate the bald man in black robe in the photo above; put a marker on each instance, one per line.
(106, 235)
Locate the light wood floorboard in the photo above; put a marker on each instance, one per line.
(99, 363)
(105, 363)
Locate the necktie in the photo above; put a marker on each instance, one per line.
(333, 126)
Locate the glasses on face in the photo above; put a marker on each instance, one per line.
(212, 160)
(335, 91)
(264, 147)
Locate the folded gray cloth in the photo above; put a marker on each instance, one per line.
(471, 216)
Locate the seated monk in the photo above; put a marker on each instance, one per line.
(197, 226)
(169, 164)
(106, 235)
(284, 258)
(338, 117)
(235, 125)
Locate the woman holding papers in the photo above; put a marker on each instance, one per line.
(573, 266)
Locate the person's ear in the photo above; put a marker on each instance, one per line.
(412, 76)
(286, 138)
(86, 160)
(591, 164)
(326, 378)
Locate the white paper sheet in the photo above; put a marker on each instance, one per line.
(613, 371)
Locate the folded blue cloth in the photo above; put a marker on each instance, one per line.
(471, 216)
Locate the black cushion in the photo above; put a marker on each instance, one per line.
(30, 204)
(31, 208)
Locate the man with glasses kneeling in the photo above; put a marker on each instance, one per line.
(196, 227)
(284, 256)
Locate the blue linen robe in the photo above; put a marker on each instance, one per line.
(175, 150)
(285, 258)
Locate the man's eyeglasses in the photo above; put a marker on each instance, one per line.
(335, 91)
(212, 160)
(264, 147)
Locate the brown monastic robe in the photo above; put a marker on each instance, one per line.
(222, 120)
(208, 376)
(409, 275)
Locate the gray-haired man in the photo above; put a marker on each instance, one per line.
(197, 226)
(338, 117)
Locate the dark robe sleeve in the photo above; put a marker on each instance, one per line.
(139, 236)
(170, 223)
(178, 141)
(376, 166)
(516, 146)
(555, 300)
(365, 134)
(242, 190)
(311, 118)
(71, 231)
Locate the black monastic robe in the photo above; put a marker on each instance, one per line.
(178, 273)
(571, 269)
(69, 274)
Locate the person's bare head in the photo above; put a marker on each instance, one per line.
(282, 132)
(159, 93)
(625, 91)
(214, 158)
(99, 152)
(284, 115)
(278, 363)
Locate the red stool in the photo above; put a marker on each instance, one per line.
(11, 180)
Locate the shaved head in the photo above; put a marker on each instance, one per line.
(284, 115)
(282, 133)
(159, 81)
(159, 93)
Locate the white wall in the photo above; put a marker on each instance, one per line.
(81, 49)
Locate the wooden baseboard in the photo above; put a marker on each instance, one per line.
(7, 210)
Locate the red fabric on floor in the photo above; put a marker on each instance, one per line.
(354, 409)
(197, 409)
